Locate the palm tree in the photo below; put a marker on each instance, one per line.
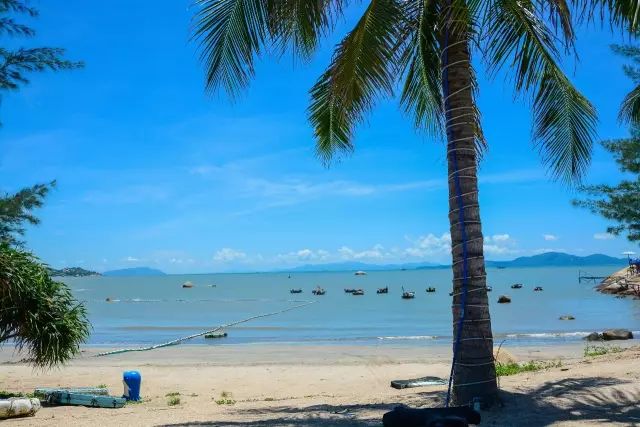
(424, 48)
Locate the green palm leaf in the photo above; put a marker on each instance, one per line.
(420, 62)
(564, 120)
(231, 33)
(360, 71)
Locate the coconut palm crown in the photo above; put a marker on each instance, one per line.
(420, 51)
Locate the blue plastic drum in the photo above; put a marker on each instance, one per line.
(131, 380)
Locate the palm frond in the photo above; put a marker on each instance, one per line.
(560, 16)
(420, 63)
(231, 33)
(300, 24)
(622, 13)
(564, 120)
(630, 108)
(17, 6)
(360, 71)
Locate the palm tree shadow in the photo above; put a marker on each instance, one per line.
(596, 399)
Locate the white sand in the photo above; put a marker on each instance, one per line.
(327, 386)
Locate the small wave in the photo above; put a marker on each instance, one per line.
(548, 334)
(409, 337)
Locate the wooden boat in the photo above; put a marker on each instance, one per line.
(187, 285)
(318, 291)
(18, 407)
(408, 295)
(360, 273)
(216, 335)
(384, 290)
(358, 292)
(431, 289)
(516, 286)
(296, 291)
(349, 290)
(537, 288)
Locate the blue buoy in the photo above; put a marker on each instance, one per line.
(131, 380)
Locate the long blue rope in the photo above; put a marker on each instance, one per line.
(463, 232)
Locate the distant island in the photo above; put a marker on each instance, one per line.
(72, 272)
(135, 271)
(547, 259)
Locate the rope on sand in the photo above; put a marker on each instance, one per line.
(179, 340)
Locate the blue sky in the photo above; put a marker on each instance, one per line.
(152, 171)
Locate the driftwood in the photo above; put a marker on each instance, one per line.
(219, 328)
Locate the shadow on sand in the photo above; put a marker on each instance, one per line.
(591, 399)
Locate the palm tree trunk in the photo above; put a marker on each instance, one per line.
(474, 374)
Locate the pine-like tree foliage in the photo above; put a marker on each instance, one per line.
(39, 315)
(16, 211)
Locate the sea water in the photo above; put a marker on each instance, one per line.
(154, 309)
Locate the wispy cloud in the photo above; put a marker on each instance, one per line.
(604, 236)
(228, 255)
(550, 237)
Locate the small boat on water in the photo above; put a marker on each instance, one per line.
(349, 290)
(187, 285)
(489, 288)
(431, 289)
(516, 286)
(296, 291)
(360, 273)
(408, 295)
(318, 291)
(216, 335)
(384, 290)
(358, 292)
(538, 289)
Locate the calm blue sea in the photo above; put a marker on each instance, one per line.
(156, 309)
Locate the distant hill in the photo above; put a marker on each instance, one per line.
(355, 266)
(548, 259)
(72, 272)
(135, 271)
(559, 259)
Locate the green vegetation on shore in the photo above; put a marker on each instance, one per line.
(72, 272)
(513, 368)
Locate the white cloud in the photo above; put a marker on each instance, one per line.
(497, 238)
(131, 259)
(429, 245)
(603, 236)
(375, 253)
(229, 255)
(550, 237)
(500, 244)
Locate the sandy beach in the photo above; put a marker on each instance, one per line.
(328, 386)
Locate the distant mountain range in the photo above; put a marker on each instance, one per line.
(135, 271)
(355, 266)
(72, 272)
(548, 259)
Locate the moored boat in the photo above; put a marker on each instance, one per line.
(318, 291)
(537, 288)
(358, 292)
(408, 295)
(360, 273)
(516, 286)
(349, 290)
(431, 289)
(187, 285)
(296, 291)
(384, 290)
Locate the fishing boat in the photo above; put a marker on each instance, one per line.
(187, 285)
(360, 273)
(296, 291)
(216, 335)
(349, 290)
(431, 289)
(516, 286)
(318, 291)
(489, 288)
(358, 292)
(384, 290)
(408, 295)
(538, 289)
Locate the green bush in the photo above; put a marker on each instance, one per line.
(599, 350)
